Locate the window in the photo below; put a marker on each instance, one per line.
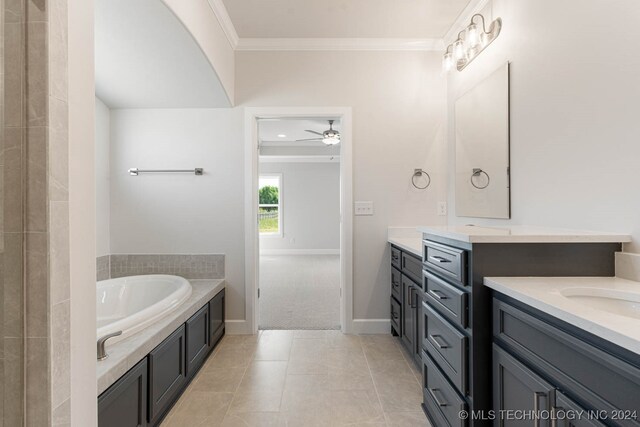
(270, 205)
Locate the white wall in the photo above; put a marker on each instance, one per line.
(103, 202)
(574, 113)
(399, 124)
(311, 211)
(199, 18)
(180, 213)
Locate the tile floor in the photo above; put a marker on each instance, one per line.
(303, 378)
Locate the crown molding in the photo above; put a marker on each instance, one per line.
(474, 6)
(338, 44)
(220, 11)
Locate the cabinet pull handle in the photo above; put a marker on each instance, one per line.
(432, 392)
(536, 406)
(439, 259)
(441, 344)
(438, 294)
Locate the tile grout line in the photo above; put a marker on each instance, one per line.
(373, 381)
(241, 379)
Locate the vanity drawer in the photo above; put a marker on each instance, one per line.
(412, 266)
(445, 260)
(395, 257)
(602, 380)
(447, 346)
(396, 283)
(396, 315)
(440, 398)
(447, 299)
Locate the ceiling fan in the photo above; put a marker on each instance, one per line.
(328, 137)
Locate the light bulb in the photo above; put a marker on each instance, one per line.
(447, 62)
(472, 37)
(458, 50)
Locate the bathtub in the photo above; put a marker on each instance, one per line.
(130, 304)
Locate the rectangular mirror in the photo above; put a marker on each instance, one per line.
(482, 148)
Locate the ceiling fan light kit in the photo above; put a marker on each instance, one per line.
(470, 42)
(328, 137)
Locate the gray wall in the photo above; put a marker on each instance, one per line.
(103, 202)
(311, 211)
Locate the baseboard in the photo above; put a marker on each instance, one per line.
(371, 326)
(299, 251)
(237, 327)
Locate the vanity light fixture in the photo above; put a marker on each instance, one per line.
(470, 42)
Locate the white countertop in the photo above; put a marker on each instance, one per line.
(545, 294)
(408, 239)
(522, 234)
(125, 354)
(409, 244)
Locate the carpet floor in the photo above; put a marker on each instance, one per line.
(299, 292)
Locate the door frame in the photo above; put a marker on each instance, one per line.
(252, 254)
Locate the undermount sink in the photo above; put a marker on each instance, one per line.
(613, 301)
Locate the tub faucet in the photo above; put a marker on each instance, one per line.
(102, 354)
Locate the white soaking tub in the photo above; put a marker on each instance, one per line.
(130, 304)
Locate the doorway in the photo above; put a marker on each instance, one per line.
(299, 223)
(299, 251)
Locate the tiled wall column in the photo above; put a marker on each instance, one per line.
(13, 172)
(36, 210)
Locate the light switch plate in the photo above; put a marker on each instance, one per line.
(364, 208)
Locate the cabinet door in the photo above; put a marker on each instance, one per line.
(167, 374)
(517, 388)
(197, 331)
(124, 404)
(417, 339)
(568, 413)
(216, 314)
(408, 313)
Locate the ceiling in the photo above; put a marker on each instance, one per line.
(343, 18)
(145, 58)
(272, 144)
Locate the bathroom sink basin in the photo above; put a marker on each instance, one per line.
(613, 301)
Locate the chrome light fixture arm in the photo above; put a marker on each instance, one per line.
(470, 42)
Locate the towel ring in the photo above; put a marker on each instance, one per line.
(417, 173)
(478, 172)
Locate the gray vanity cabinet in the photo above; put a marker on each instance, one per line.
(456, 334)
(216, 315)
(197, 339)
(406, 300)
(167, 373)
(408, 313)
(124, 404)
(580, 367)
(518, 388)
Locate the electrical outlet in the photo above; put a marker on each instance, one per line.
(442, 208)
(364, 208)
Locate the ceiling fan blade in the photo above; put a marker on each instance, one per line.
(313, 131)
(309, 140)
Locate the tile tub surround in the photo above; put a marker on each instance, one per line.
(544, 294)
(628, 266)
(303, 378)
(124, 354)
(191, 267)
(102, 268)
